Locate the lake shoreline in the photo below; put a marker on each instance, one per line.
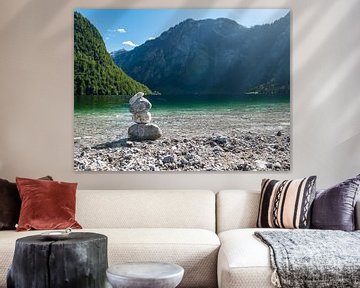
(248, 151)
(251, 134)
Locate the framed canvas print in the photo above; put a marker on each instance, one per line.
(182, 90)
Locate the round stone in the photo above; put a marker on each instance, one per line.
(140, 105)
(141, 132)
(142, 118)
(277, 165)
(135, 97)
(261, 164)
(168, 159)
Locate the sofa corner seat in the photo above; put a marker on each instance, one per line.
(244, 260)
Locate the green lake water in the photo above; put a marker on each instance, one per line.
(181, 103)
(103, 117)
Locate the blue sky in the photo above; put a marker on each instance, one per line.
(128, 28)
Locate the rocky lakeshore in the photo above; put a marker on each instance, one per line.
(246, 151)
(225, 136)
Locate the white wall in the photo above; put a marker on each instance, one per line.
(36, 94)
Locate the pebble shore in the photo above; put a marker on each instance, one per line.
(247, 151)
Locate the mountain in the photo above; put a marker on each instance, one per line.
(95, 73)
(213, 56)
(117, 53)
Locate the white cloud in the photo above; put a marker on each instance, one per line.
(121, 30)
(151, 38)
(130, 43)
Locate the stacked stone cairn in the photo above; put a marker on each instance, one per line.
(142, 129)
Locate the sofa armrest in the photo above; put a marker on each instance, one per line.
(357, 215)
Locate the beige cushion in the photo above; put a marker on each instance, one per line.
(244, 261)
(146, 209)
(194, 249)
(236, 209)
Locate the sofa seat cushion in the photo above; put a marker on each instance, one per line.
(194, 249)
(244, 261)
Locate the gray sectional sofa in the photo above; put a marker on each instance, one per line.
(209, 234)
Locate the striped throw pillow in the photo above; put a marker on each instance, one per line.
(286, 204)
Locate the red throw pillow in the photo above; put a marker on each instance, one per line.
(46, 204)
(10, 204)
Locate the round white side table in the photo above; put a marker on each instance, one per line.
(145, 275)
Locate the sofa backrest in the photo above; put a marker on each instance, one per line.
(239, 209)
(236, 209)
(146, 209)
